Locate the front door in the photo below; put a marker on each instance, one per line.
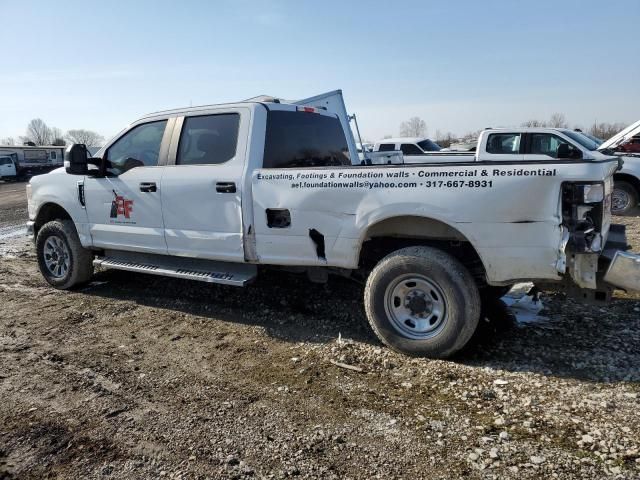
(202, 185)
(7, 167)
(124, 208)
(544, 147)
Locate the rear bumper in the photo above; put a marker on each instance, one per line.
(624, 271)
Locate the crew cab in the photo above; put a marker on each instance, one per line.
(217, 193)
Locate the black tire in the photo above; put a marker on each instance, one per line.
(627, 200)
(450, 280)
(80, 260)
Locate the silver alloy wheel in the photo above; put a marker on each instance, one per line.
(620, 200)
(56, 256)
(415, 306)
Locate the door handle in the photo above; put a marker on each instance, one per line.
(226, 187)
(148, 187)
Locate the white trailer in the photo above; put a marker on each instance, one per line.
(21, 161)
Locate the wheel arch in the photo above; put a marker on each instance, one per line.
(630, 179)
(48, 212)
(398, 231)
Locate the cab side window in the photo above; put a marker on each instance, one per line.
(545, 144)
(139, 147)
(208, 139)
(387, 147)
(410, 149)
(503, 143)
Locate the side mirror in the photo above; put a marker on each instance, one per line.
(568, 151)
(75, 159)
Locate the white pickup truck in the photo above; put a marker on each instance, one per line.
(215, 193)
(626, 189)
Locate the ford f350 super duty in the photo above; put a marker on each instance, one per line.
(215, 193)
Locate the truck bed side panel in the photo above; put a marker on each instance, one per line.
(509, 212)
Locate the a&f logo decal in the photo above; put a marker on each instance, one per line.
(120, 206)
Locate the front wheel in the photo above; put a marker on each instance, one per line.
(421, 301)
(63, 261)
(624, 198)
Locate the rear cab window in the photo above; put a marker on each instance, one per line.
(387, 147)
(297, 139)
(208, 139)
(503, 143)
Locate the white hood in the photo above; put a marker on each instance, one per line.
(618, 138)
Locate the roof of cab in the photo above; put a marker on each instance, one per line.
(198, 108)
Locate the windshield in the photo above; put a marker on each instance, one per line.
(429, 146)
(586, 142)
(599, 141)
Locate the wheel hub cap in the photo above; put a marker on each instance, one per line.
(415, 306)
(56, 256)
(620, 200)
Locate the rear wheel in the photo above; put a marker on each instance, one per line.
(624, 198)
(421, 301)
(63, 261)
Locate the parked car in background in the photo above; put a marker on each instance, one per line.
(626, 191)
(363, 148)
(407, 145)
(631, 146)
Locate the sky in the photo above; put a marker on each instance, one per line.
(459, 65)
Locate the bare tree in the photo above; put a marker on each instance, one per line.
(8, 141)
(387, 136)
(57, 138)
(471, 136)
(414, 127)
(88, 137)
(38, 132)
(605, 130)
(558, 120)
(445, 139)
(534, 123)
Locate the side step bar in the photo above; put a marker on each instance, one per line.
(225, 273)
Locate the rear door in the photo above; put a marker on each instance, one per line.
(202, 185)
(124, 208)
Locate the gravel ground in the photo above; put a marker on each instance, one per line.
(144, 377)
